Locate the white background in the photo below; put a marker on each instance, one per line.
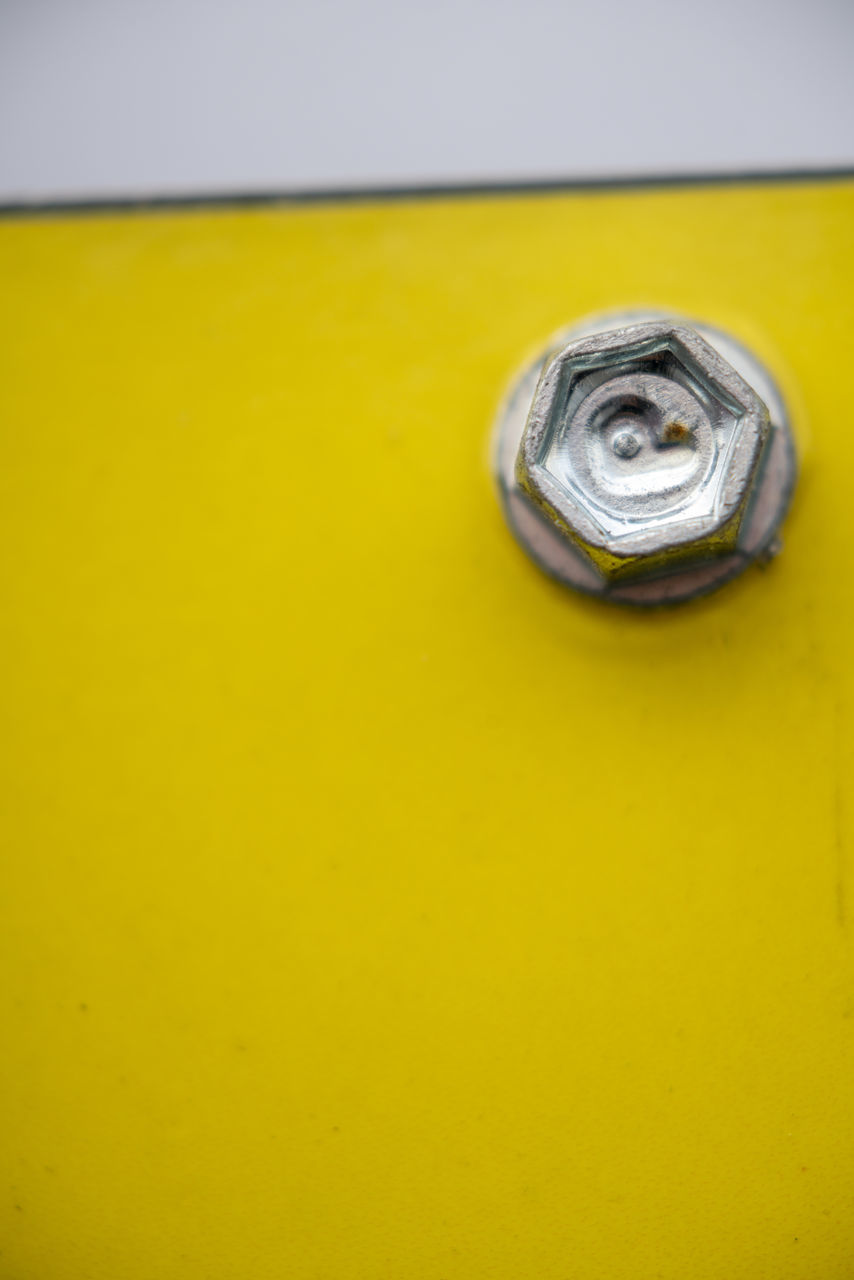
(114, 97)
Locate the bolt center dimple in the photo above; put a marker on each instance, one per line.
(626, 445)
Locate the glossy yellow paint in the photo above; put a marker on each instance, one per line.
(371, 907)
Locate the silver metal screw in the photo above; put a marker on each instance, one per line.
(645, 458)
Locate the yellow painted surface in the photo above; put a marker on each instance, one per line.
(371, 908)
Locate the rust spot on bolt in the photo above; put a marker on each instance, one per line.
(675, 433)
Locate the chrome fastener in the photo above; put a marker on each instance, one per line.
(645, 459)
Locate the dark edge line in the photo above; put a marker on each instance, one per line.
(434, 191)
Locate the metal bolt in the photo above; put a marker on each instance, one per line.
(645, 459)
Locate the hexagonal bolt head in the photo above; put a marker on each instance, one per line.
(643, 446)
(645, 459)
